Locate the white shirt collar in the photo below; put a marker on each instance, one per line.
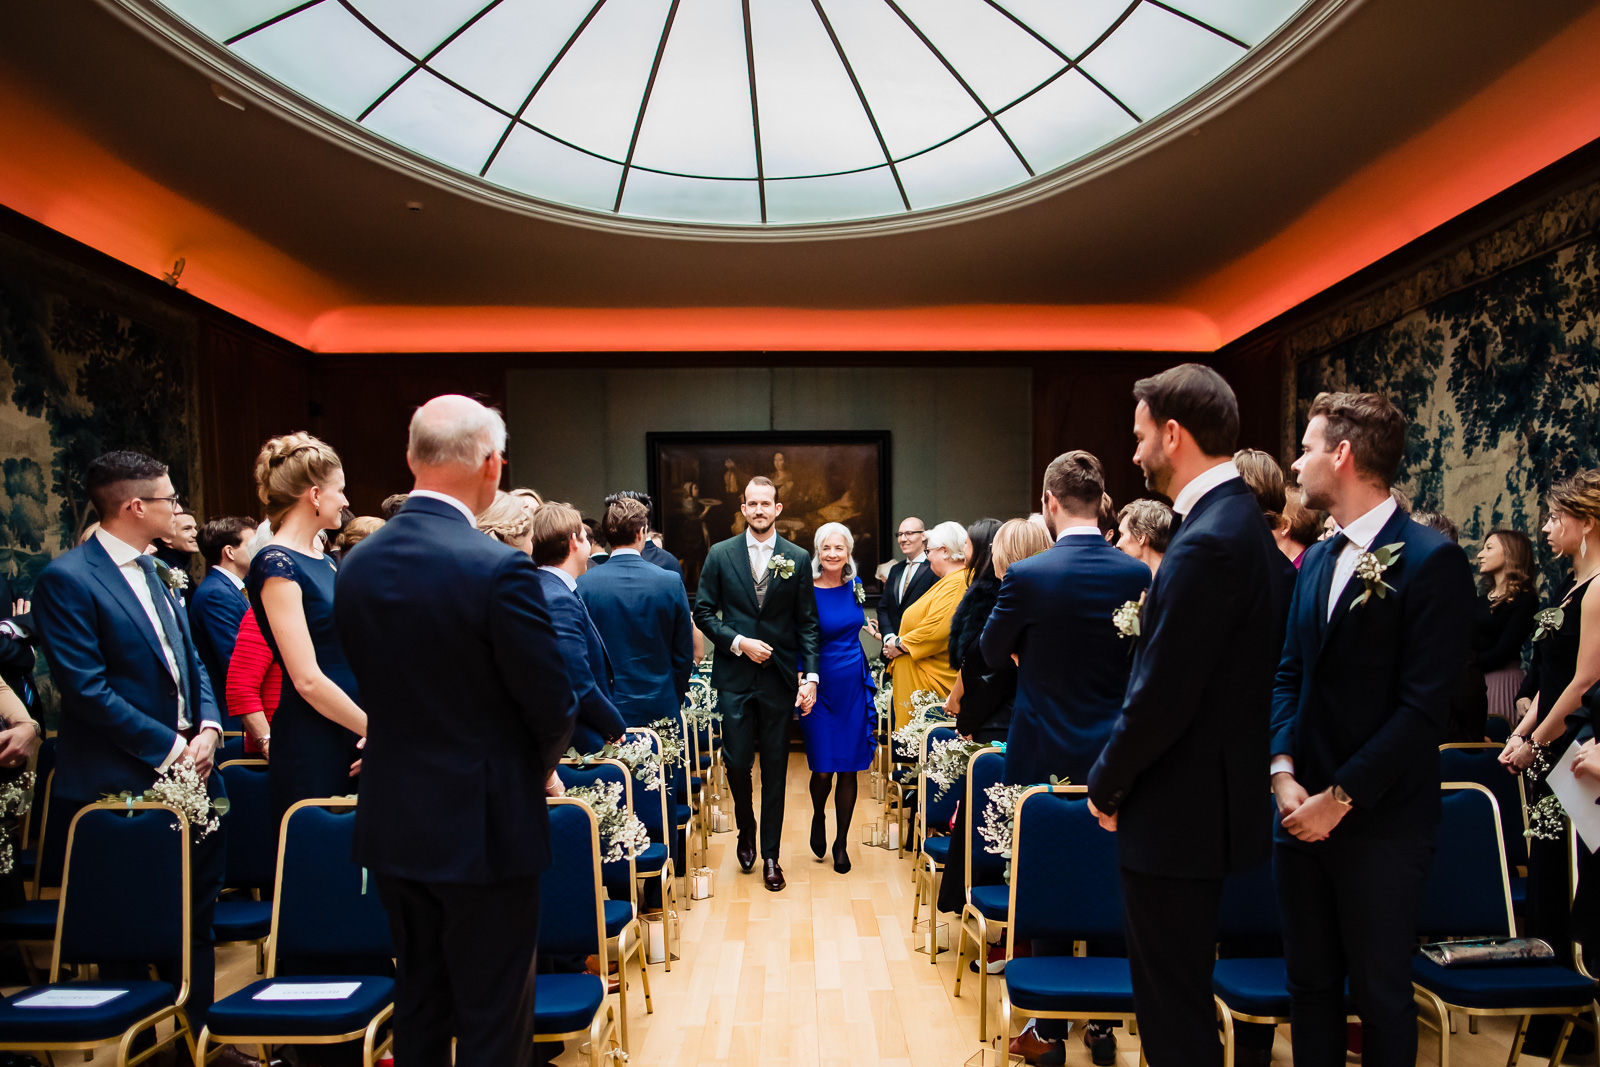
(1080, 531)
(566, 579)
(626, 551)
(238, 582)
(1363, 531)
(766, 546)
(120, 551)
(448, 499)
(1203, 483)
(922, 557)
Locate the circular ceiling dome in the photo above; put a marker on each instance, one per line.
(745, 112)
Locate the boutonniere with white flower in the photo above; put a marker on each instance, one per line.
(861, 594)
(175, 579)
(783, 565)
(1127, 618)
(1370, 568)
(1548, 622)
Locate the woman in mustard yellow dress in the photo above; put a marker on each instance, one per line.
(920, 654)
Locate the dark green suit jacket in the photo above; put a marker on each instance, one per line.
(725, 608)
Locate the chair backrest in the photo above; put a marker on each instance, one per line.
(986, 767)
(577, 773)
(1480, 762)
(325, 904)
(125, 891)
(572, 920)
(51, 844)
(936, 813)
(250, 862)
(1467, 893)
(1064, 878)
(1249, 908)
(44, 765)
(1497, 729)
(652, 803)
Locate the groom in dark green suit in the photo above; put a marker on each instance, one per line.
(757, 604)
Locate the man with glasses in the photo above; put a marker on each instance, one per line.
(907, 581)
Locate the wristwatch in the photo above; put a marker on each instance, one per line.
(1341, 796)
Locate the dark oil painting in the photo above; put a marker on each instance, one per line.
(697, 481)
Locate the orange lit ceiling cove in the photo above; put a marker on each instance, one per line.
(120, 145)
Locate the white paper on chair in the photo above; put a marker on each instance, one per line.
(308, 991)
(1578, 797)
(70, 998)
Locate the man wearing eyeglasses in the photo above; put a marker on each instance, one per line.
(907, 581)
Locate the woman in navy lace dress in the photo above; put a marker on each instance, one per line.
(314, 747)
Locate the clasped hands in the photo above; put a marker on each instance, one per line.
(1307, 817)
(806, 698)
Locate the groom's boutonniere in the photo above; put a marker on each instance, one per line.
(782, 564)
(1370, 567)
(1127, 618)
(175, 579)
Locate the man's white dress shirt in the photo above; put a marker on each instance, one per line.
(448, 499)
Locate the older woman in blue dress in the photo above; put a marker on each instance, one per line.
(838, 728)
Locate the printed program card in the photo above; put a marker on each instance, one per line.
(1577, 796)
(66, 997)
(308, 991)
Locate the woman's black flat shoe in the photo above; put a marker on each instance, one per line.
(819, 836)
(841, 860)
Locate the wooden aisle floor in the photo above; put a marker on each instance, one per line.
(823, 974)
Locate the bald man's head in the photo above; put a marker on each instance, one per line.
(454, 431)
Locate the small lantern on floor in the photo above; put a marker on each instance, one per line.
(702, 883)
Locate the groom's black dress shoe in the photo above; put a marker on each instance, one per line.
(746, 850)
(774, 876)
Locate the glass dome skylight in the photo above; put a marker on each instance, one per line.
(745, 111)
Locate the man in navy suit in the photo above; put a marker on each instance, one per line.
(218, 603)
(1181, 778)
(651, 552)
(1065, 707)
(642, 612)
(471, 707)
(1361, 704)
(135, 698)
(561, 550)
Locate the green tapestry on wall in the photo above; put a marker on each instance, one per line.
(1501, 383)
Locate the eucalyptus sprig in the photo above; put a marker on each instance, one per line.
(1370, 567)
(1548, 622)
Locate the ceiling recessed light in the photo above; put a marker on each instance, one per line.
(413, 205)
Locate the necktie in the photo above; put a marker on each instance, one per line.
(169, 625)
(905, 580)
(1336, 545)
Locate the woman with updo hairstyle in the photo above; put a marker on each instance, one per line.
(509, 521)
(1144, 529)
(319, 725)
(920, 652)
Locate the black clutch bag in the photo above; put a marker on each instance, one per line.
(1489, 952)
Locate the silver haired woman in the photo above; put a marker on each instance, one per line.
(838, 728)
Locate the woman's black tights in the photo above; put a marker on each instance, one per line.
(844, 806)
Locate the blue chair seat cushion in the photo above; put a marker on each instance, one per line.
(683, 812)
(110, 1019)
(1539, 985)
(1253, 986)
(1519, 890)
(936, 849)
(992, 901)
(705, 761)
(695, 782)
(241, 920)
(566, 1002)
(618, 914)
(651, 860)
(1070, 983)
(32, 920)
(241, 1015)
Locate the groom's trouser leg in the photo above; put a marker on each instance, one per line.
(776, 709)
(467, 957)
(740, 724)
(1172, 945)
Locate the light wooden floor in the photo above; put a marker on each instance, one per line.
(824, 973)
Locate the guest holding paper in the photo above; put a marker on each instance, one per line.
(1378, 636)
(450, 637)
(319, 723)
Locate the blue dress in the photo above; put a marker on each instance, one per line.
(838, 732)
(311, 754)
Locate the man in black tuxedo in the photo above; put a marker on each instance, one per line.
(1361, 703)
(757, 604)
(448, 634)
(1180, 778)
(907, 580)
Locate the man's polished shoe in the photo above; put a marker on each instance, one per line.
(1035, 1049)
(746, 850)
(774, 876)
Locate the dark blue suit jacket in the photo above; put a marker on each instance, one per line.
(1186, 767)
(642, 612)
(468, 701)
(1054, 612)
(216, 608)
(1362, 699)
(119, 703)
(588, 665)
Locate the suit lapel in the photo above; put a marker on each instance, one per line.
(109, 576)
(1353, 588)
